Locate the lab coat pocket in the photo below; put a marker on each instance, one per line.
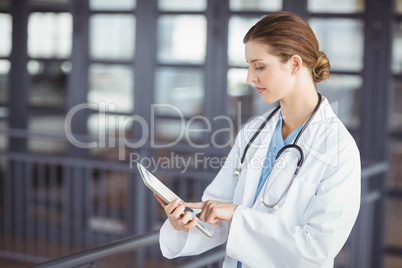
(298, 198)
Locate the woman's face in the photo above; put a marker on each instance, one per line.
(271, 77)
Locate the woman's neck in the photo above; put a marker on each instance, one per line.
(297, 109)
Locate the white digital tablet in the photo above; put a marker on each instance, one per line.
(164, 192)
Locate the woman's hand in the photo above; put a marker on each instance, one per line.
(213, 211)
(180, 220)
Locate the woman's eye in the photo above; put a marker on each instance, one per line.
(259, 68)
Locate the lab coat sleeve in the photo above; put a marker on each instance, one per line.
(326, 225)
(175, 243)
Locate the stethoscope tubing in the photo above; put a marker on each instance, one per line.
(257, 133)
(289, 146)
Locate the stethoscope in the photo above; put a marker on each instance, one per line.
(294, 145)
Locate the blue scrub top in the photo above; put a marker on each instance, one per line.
(276, 144)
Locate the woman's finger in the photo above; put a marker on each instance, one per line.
(171, 207)
(160, 200)
(186, 217)
(177, 213)
(196, 205)
(191, 224)
(204, 212)
(211, 218)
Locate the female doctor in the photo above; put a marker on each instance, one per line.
(289, 208)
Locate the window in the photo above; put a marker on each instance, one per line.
(112, 84)
(4, 70)
(49, 48)
(179, 90)
(50, 25)
(342, 41)
(335, 6)
(254, 5)
(181, 38)
(47, 124)
(112, 5)
(49, 35)
(5, 50)
(182, 5)
(112, 36)
(343, 92)
(5, 35)
(111, 73)
(397, 51)
(340, 33)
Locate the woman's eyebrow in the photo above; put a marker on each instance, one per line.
(254, 60)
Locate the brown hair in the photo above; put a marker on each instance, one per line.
(288, 34)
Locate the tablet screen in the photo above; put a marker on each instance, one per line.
(164, 192)
(157, 186)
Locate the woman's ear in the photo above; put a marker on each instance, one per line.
(296, 63)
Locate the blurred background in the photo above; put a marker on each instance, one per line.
(125, 55)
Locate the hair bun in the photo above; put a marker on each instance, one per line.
(321, 68)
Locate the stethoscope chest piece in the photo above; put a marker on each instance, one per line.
(237, 172)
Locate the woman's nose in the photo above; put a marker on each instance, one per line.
(251, 78)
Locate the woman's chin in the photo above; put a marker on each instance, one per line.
(268, 99)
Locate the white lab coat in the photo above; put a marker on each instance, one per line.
(313, 221)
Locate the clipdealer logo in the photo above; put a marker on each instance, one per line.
(121, 123)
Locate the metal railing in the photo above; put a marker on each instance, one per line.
(91, 256)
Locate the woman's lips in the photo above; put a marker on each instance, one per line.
(260, 90)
